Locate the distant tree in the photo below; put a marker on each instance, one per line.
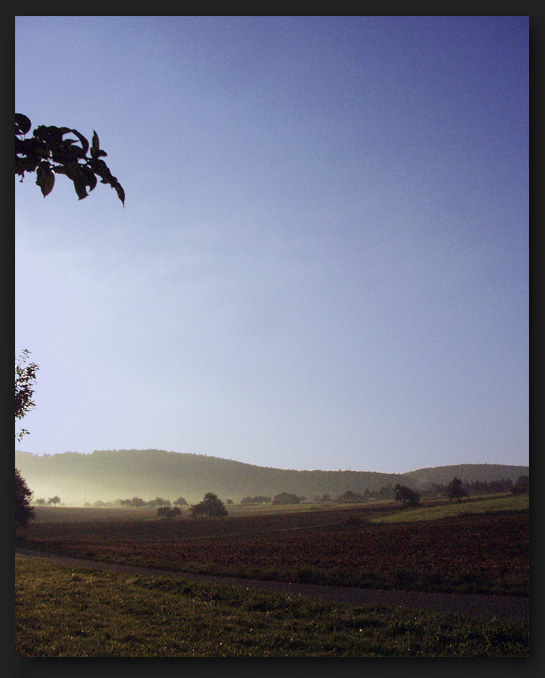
(168, 511)
(522, 485)
(48, 153)
(159, 501)
(180, 502)
(259, 499)
(25, 381)
(386, 492)
(137, 502)
(24, 512)
(349, 496)
(406, 496)
(210, 506)
(54, 500)
(286, 498)
(456, 490)
(324, 498)
(40, 501)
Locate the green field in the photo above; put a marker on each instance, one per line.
(435, 510)
(66, 612)
(475, 546)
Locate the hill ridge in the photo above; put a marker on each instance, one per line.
(148, 473)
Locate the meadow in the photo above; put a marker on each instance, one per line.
(482, 548)
(62, 611)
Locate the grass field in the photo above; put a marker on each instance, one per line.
(476, 546)
(66, 612)
(443, 509)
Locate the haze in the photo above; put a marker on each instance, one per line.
(323, 258)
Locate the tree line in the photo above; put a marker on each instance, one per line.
(456, 489)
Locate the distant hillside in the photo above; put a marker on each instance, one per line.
(118, 474)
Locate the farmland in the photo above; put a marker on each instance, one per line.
(476, 546)
(477, 551)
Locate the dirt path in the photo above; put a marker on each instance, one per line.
(513, 608)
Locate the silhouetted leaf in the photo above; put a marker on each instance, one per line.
(47, 153)
(120, 192)
(80, 188)
(45, 178)
(84, 142)
(22, 124)
(96, 142)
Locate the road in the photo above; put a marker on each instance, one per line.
(478, 606)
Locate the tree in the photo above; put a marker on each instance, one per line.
(259, 499)
(24, 512)
(349, 496)
(137, 502)
(210, 506)
(386, 492)
(159, 501)
(54, 500)
(25, 381)
(286, 498)
(456, 490)
(168, 511)
(48, 153)
(406, 496)
(522, 485)
(180, 502)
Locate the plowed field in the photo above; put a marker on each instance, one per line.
(481, 553)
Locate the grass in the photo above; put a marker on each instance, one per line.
(66, 612)
(472, 505)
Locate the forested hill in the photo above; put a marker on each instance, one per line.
(108, 475)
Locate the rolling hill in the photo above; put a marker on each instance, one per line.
(113, 474)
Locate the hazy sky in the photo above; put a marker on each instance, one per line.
(323, 258)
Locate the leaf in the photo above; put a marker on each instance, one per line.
(84, 142)
(95, 143)
(22, 124)
(45, 178)
(120, 192)
(81, 188)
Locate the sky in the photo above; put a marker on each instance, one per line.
(322, 262)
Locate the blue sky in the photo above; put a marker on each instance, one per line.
(323, 258)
